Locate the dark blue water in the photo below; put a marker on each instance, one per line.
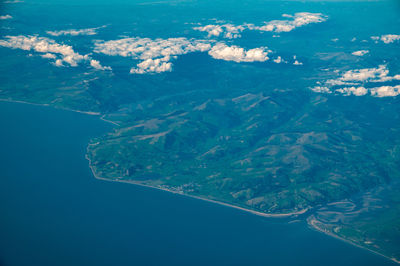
(53, 212)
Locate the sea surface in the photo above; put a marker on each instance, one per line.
(54, 212)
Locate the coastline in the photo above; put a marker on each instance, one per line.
(278, 215)
(269, 215)
(60, 108)
(310, 220)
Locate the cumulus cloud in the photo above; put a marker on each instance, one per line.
(58, 63)
(5, 17)
(278, 60)
(212, 30)
(388, 38)
(238, 54)
(360, 53)
(385, 91)
(43, 45)
(229, 31)
(360, 82)
(294, 21)
(73, 32)
(321, 89)
(96, 64)
(155, 55)
(146, 48)
(64, 54)
(358, 91)
(49, 56)
(296, 62)
(152, 66)
(379, 74)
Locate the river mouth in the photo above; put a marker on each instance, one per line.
(54, 212)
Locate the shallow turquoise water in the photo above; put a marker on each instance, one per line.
(53, 212)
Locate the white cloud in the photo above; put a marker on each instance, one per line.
(360, 82)
(364, 74)
(64, 54)
(96, 64)
(212, 30)
(297, 63)
(379, 74)
(298, 20)
(73, 32)
(58, 63)
(321, 89)
(388, 38)
(360, 53)
(145, 48)
(385, 91)
(238, 54)
(155, 55)
(152, 66)
(231, 31)
(5, 17)
(357, 91)
(305, 18)
(278, 60)
(43, 45)
(49, 56)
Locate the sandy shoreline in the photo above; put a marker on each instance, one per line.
(278, 215)
(312, 223)
(61, 108)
